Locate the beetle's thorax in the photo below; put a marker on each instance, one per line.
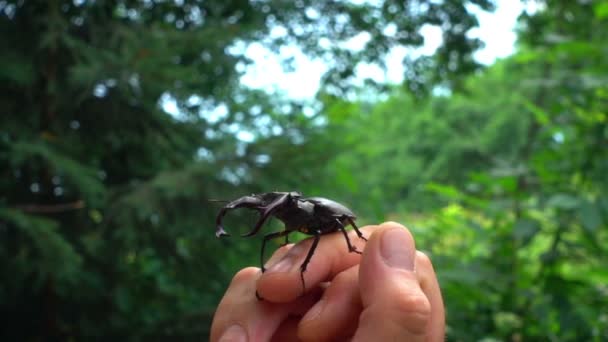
(309, 217)
(295, 215)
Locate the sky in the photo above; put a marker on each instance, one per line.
(496, 30)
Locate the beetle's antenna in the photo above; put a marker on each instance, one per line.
(217, 200)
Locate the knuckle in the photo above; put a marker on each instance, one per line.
(284, 249)
(342, 278)
(299, 250)
(393, 224)
(413, 312)
(244, 275)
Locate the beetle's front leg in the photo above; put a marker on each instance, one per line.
(267, 238)
(267, 211)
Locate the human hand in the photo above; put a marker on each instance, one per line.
(390, 293)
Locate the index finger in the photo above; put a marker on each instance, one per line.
(282, 283)
(239, 310)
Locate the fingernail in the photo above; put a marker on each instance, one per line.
(315, 311)
(235, 333)
(282, 266)
(287, 262)
(394, 250)
(277, 256)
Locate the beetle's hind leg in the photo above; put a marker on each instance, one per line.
(351, 248)
(352, 223)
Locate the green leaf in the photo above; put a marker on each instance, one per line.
(123, 298)
(509, 184)
(541, 116)
(461, 275)
(563, 201)
(16, 70)
(525, 229)
(590, 216)
(450, 192)
(507, 321)
(601, 10)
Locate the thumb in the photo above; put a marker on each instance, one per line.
(394, 306)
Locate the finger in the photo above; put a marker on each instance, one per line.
(241, 316)
(335, 315)
(287, 331)
(278, 255)
(394, 306)
(282, 282)
(430, 287)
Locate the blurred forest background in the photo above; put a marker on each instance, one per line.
(501, 172)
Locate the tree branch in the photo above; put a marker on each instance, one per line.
(50, 208)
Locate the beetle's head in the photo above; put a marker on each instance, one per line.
(271, 196)
(295, 194)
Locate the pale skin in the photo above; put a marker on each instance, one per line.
(390, 293)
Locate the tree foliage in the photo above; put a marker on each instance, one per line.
(103, 211)
(105, 225)
(504, 184)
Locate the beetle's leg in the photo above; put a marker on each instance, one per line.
(243, 202)
(311, 251)
(267, 238)
(352, 223)
(267, 211)
(351, 248)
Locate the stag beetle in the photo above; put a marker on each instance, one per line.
(313, 216)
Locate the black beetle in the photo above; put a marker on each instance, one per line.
(314, 216)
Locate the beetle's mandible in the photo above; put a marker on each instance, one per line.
(314, 216)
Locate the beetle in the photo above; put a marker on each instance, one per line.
(314, 216)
